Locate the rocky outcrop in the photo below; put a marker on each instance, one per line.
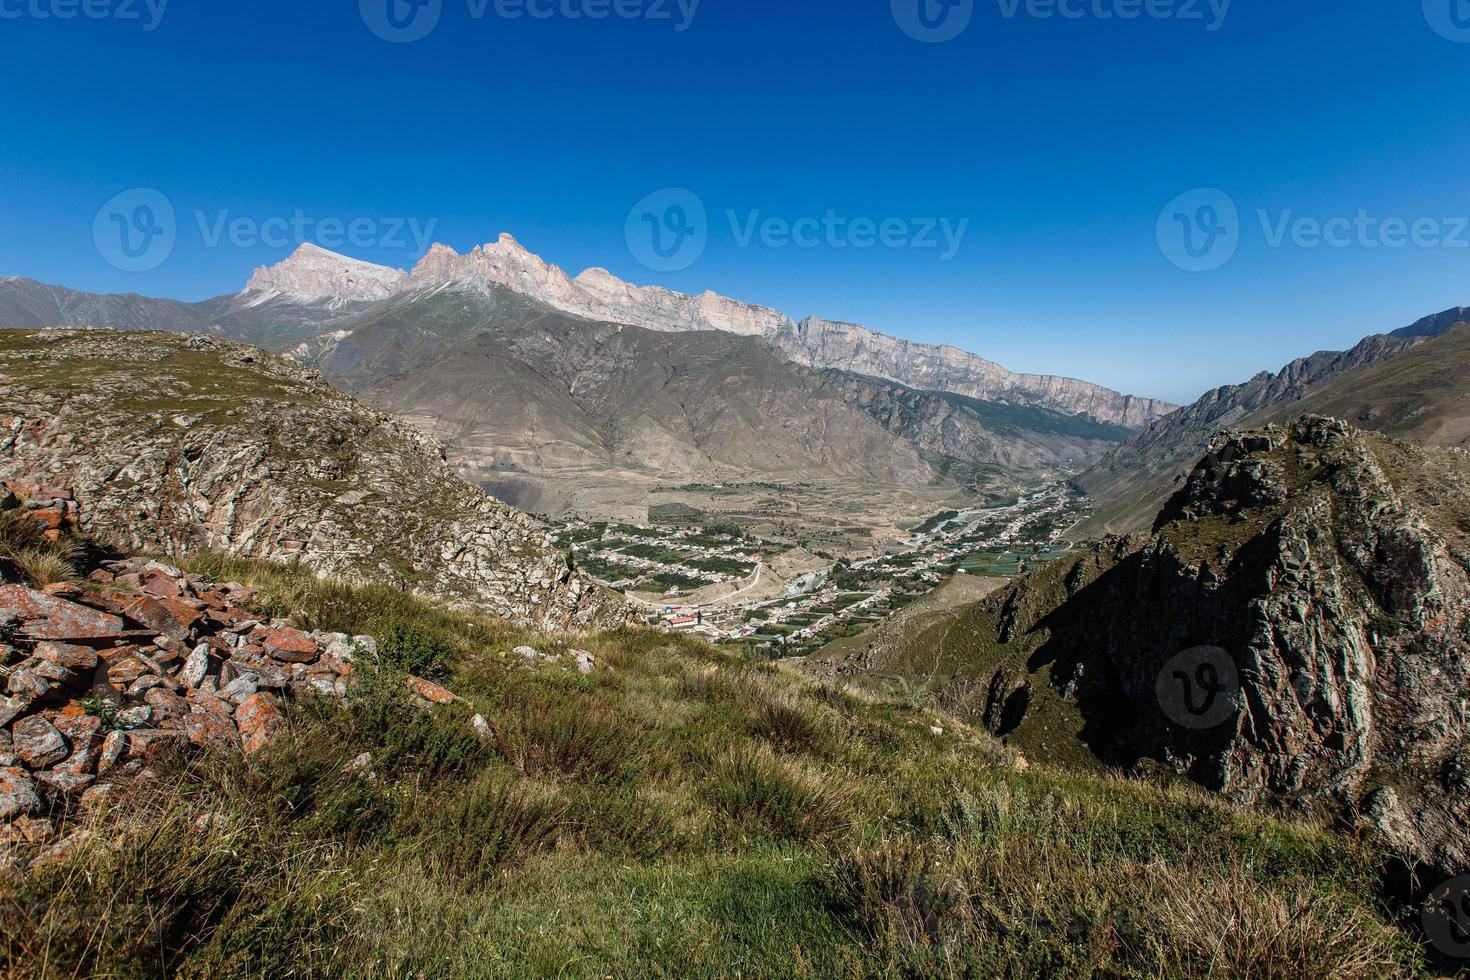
(179, 444)
(1294, 630)
(154, 662)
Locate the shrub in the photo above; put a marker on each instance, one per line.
(791, 803)
(26, 553)
(584, 742)
(788, 724)
(481, 831)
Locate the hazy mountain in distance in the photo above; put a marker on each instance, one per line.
(1130, 483)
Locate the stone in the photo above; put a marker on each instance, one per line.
(81, 730)
(45, 617)
(67, 782)
(481, 726)
(122, 668)
(239, 689)
(17, 794)
(586, 663)
(10, 709)
(289, 645)
(197, 666)
(167, 617)
(27, 685)
(153, 744)
(38, 743)
(113, 747)
(28, 830)
(137, 716)
(143, 685)
(67, 655)
(259, 720)
(162, 587)
(208, 728)
(165, 704)
(430, 691)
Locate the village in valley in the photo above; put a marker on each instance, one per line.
(732, 588)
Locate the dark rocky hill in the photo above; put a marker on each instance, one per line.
(1292, 632)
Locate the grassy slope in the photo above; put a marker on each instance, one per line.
(680, 812)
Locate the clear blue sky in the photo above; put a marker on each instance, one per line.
(1060, 140)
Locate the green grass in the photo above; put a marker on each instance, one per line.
(682, 812)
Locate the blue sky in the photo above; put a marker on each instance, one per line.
(1056, 142)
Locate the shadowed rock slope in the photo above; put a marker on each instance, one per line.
(179, 444)
(1293, 631)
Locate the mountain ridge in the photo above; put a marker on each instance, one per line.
(1133, 479)
(329, 285)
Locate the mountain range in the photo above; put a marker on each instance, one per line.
(558, 392)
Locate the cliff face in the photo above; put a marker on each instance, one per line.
(177, 444)
(966, 437)
(851, 347)
(1294, 630)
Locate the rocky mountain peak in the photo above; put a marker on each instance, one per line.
(312, 274)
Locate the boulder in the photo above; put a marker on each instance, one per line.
(17, 794)
(38, 743)
(47, 617)
(259, 719)
(289, 645)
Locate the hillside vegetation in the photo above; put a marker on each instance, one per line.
(676, 812)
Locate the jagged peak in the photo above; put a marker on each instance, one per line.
(312, 273)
